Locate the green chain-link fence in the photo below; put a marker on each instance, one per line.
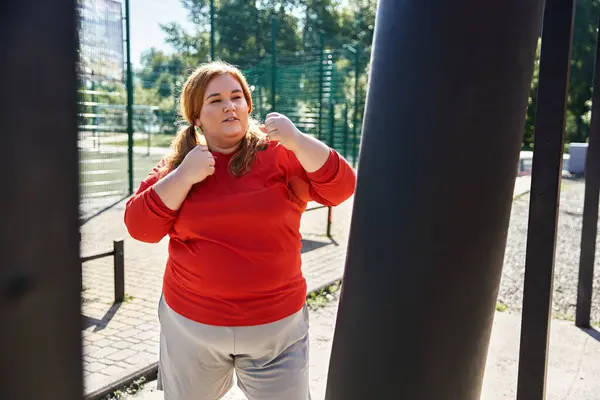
(318, 83)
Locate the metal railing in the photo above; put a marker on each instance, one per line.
(118, 254)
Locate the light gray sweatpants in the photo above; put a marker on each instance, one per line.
(197, 361)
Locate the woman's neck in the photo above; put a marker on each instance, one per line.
(223, 149)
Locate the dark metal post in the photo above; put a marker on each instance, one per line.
(345, 144)
(321, 81)
(330, 137)
(555, 60)
(212, 30)
(148, 144)
(329, 220)
(418, 300)
(355, 119)
(590, 209)
(40, 277)
(119, 270)
(273, 62)
(129, 99)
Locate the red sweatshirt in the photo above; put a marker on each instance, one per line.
(234, 249)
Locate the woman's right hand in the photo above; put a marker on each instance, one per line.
(197, 165)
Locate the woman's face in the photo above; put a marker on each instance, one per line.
(224, 115)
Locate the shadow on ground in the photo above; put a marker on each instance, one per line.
(592, 332)
(310, 244)
(100, 324)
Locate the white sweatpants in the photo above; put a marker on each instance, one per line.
(197, 361)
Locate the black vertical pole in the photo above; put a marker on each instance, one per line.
(330, 137)
(419, 296)
(321, 81)
(555, 60)
(273, 63)
(119, 270)
(590, 209)
(212, 30)
(329, 220)
(345, 143)
(129, 99)
(40, 277)
(355, 118)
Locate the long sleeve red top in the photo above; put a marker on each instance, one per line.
(234, 249)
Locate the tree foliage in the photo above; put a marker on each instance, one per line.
(581, 78)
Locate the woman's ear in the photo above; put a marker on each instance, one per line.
(198, 123)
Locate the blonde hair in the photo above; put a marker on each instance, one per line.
(190, 104)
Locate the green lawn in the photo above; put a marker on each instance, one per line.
(156, 140)
(105, 174)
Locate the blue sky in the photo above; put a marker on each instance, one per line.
(146, 17)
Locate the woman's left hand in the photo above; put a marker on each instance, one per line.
(279, 128)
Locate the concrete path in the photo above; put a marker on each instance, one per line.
(119, 340)
(573, 366)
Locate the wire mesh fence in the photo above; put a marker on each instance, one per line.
(317, 80)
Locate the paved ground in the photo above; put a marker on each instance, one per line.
(573, 365)
(119, 340)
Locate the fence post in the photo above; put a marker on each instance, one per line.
(544, 198)
(119, 270)
(212, 30)
(355, 118)
(321, 60)
(129, 99)
(273, 62)
(345, 150)
(329, 220)
(589, 229)
(331, 123)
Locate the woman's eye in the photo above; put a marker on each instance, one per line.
(215, 101)
(237, 98)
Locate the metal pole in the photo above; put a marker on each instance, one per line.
(331, 123)
(440, 238)
(555, 60)
(590, 209)
(119, 270)
(40, 273)
(129, 99)
(273, 62)
(321, 61)
(345, 151)
(355, 119)
(329, 220)
(212, 30)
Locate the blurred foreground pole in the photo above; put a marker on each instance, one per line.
(444, 118)
(40, 320)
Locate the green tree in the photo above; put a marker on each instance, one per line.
(581, 77)
(582, 66)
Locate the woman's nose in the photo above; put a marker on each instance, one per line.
(229, 105)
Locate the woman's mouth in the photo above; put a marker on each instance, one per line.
(230, 119)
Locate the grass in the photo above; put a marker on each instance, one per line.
(501, 307)
(127, 391)
(127, 298)
(108, 172)
(323, 296)
(156, 140)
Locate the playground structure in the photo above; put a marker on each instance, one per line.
(434, 228)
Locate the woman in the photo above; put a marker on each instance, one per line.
(230, 197)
